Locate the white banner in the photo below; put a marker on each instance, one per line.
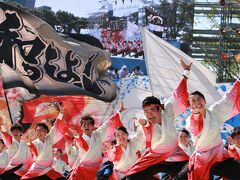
(164, 69)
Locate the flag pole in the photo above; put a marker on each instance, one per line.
(5, 95)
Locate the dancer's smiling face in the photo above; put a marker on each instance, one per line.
(121, 137)
(153, 113)
(87, 127)
(197, 104)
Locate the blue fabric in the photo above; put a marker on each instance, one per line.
(105, 171)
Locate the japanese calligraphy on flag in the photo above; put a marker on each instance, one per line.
(34, 56)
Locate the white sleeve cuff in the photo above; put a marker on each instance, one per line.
(231, 146)
(60, 116)
(186, 73)
(77, 136)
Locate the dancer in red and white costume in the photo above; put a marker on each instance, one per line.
(181, 155)
(204, 125)
(18, 153)
(126, 152)
(234, 143)
(90, 146)
(41, 148)
(160, 131)
(58, 164)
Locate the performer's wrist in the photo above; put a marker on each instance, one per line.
(60, 115)
(186, 73)
(231, 146)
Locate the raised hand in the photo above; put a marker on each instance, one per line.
(107, 145)
(185, 66)
(142, 122)
(122, 108)
(230, 140)
(135, 126)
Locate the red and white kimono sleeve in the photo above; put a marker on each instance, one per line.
(229, 105)
(106, 130)
(59, 129)
(233, 152)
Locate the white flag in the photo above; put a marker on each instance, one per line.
(164, 69)
(131, 31)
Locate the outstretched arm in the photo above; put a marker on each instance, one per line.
(106, 130)
(186, 69)
(179, 99)
(59, 128)
(229, 105)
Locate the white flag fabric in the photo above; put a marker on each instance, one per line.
(164, 69)
(131, 31)
(131, 91)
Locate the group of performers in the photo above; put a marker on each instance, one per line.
(110, 152)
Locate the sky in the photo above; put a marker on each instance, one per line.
(83, 8)
(79, 8)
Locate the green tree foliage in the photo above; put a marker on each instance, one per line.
(67, 20)
(178, 18)
(47, 15)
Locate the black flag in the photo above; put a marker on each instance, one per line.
(154, 21)
(33, 56)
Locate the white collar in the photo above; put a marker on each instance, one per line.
(86, 137)
(16, 141)
(40, 141)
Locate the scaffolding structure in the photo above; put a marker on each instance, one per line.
(221, 41)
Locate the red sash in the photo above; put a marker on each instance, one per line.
(118, 153)
(148, 131)
(33, 149)
(196, 124)
(82, 143)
